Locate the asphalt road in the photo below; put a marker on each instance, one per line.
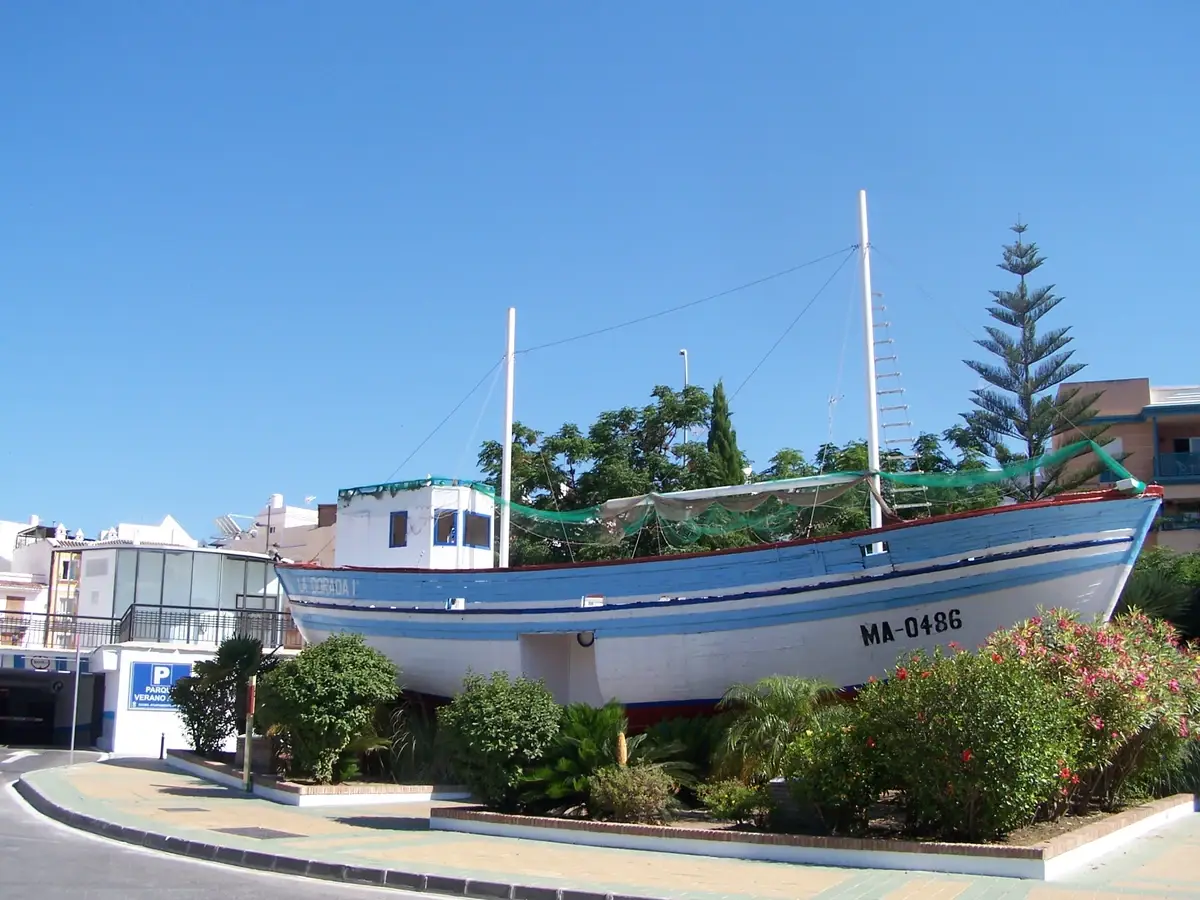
(42, 859)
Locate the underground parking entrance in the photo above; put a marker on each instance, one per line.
(35, 708)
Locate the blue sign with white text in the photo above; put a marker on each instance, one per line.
(150, 683)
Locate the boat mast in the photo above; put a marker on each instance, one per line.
(864, 255)
(507, 444)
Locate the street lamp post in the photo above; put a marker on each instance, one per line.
(684, 354)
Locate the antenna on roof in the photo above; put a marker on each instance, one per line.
(227, 526)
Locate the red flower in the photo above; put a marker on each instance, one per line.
(870, 742)
(966, 755)
(901, 673)
(926, 674)
(997, 658)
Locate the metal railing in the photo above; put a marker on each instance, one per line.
(183, 625)
(1177, 465)
(159, 624)
(1181, 522)
(54, 630)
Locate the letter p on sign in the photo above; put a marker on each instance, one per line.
(161, 674)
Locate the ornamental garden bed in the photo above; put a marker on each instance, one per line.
(295, 793)
(1045, 851)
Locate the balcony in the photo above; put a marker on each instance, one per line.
(55, 631)
(1177, 468)
(1178, 522)
(157, 624)
(183, 625)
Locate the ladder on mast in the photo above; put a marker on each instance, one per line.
(895, 427)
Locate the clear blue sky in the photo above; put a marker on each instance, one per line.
(257, 247)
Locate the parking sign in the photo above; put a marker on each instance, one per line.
(150, 683)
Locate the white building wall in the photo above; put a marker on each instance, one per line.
(96, 580)
(168, 531)
(33, 558)
(301, 543)
(8, 543)
(139, 732)
(363, 529)
(36, 596)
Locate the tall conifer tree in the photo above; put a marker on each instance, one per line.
(1018, 405)
(722, 441)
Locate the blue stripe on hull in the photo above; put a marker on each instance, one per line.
(706, 575)
(615, 622)
(681, 602)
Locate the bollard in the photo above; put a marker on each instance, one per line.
(162, 746)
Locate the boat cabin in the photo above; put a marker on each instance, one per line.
(429, 523)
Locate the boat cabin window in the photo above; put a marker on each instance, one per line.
(477, 530)
(398, 529)
(445, 527)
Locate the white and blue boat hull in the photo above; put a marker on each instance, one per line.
(679, 630)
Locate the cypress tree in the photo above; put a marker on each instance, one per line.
(1017, 405)
(722, 442)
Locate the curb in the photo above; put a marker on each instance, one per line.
(308, 868)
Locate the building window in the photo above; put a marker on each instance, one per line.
(445, 527)
(477, 530)
(398, 529)
(68, 569)
(12, 623)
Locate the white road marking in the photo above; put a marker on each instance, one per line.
(20, 754)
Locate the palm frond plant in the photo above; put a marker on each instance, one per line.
(765, 718)
(587, 742)
(1156, 594)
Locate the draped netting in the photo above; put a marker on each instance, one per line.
(792, 507)
(766, 511)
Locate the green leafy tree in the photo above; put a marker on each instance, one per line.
(495, 729)
(727, 462)
(325, 698)
(205, 703)
(1017, 406)
(626, 452)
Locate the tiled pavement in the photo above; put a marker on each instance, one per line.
(148, 796)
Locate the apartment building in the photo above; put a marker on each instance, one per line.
(1159, 430)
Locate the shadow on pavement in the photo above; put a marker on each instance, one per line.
(385, 823)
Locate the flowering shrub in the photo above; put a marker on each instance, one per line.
(1135, 689)
(976, 743)
(833, 770)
